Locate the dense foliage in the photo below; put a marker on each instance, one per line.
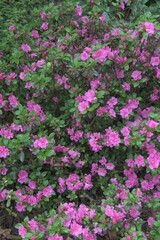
(79, 121)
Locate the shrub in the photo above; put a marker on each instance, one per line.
(80, 123)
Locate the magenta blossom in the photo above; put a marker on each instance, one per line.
(83, 106)
(136, 75)
(47, 191)
(76, 229)
(41, 143)
(22, 231)
(152, 124)
(26, 48)
(45, 26)
(22, 176)
(4, 152)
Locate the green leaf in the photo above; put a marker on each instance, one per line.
(28, 235)
(100, 94)
(21, 156)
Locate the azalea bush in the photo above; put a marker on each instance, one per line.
(80, 132)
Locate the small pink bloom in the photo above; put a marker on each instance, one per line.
(154, 160)
(100, 55)
(4, 152)
(134, 212)
(40, 63)
(13, 101)
(45, 26)
(155, 61)
(78, 10)
(20, 207)
(90, 96)
(107, 37)
(115, 32)
(41, 143)
(12, 27)
(35, 34)
(110, 166)
(26, 48)
(32, 184)
(149, 27)
(22, 231)
(83, 106)
(136, 75)
(124, 112)
(47, 191)
(125, 131)
(55, 237)
(126, 86)
(22, 75)
(101, 172)
(139, 161)
(76, 229)
(22, 176)
(84, 56)
(102, 18)
(152, 124)
(109, 211)
(149, 221)
(33, 225)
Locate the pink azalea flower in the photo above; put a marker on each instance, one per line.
(149, 221)
(4, 152)
(101, 172)
(107, 37)
(33, 225)
(76, 229)
(136, 75)
(110, 166)
(124, 112)
(83, 106)
(112, 101)
(3, 170)
(62, 185)
(3, 194)
(73, 182)
(134, 212)
(26, 48)
(32, 184)
(22, 176)
(90, 96)
(55, 237)
(35, 34)
(12, 27)
(149, 27)
(13, 101)
(45, 26)
(47, 191)
(112, 138)
(100, 55)
(139, 161)
(152, 124)
(6, 133)
(20, 207)
(22, 231)
(154, 160)
(125, 131)
(84, 56)
(40, 63)
(115, 32)
(78, 10)
(109, 211)
(22, 75)
(155, 61)
(41, 143)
